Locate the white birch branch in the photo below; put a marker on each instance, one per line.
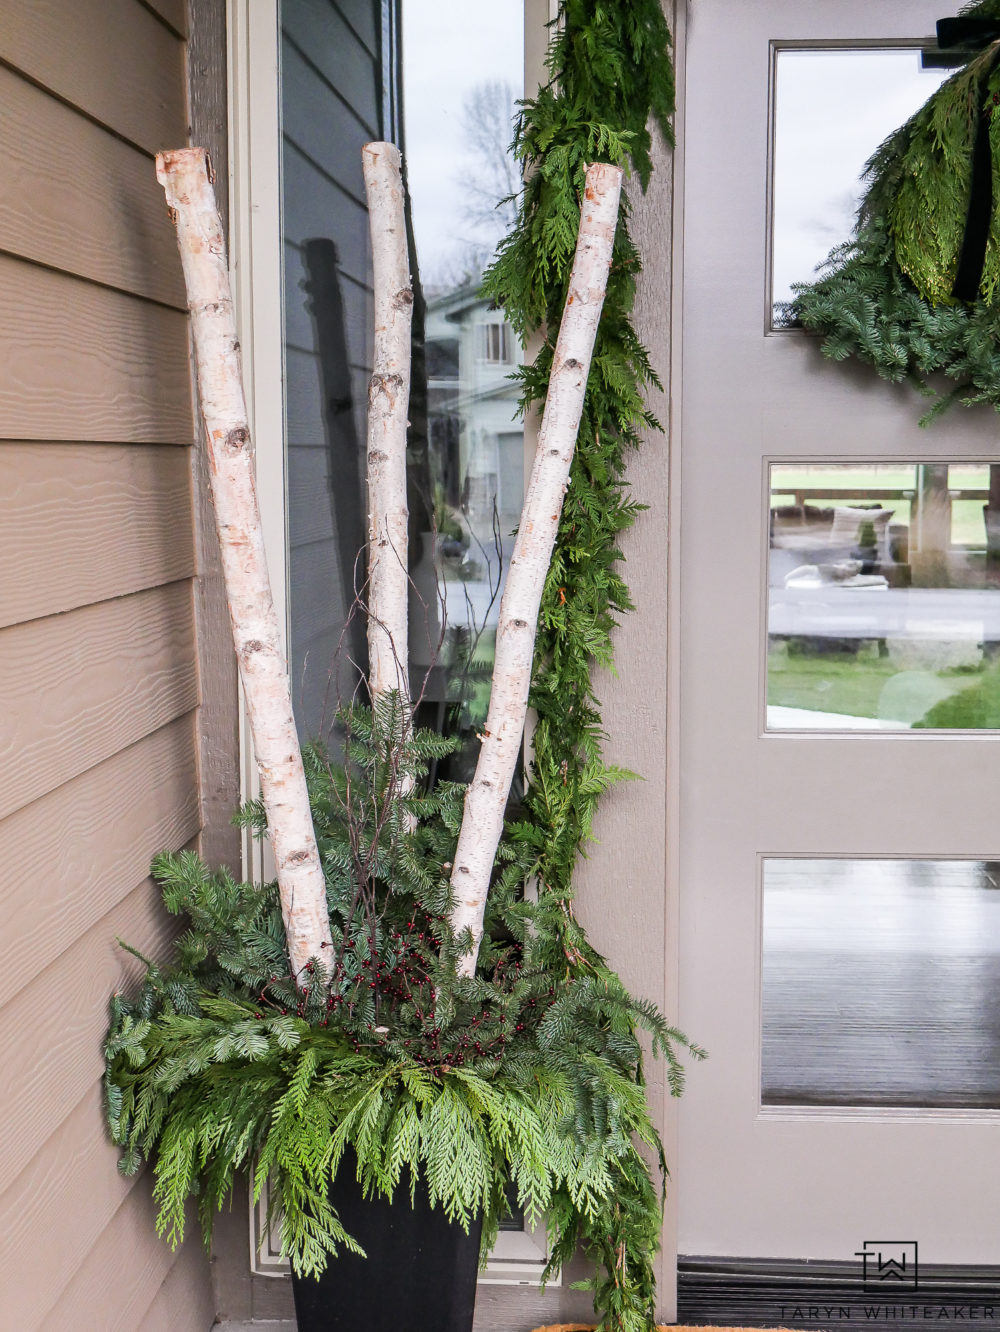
(388, 402)
(486, 798)
(184, 176)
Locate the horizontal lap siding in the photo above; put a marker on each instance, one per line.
(142, 1270)
(94, 836)
(98, 668)
(175, 1307)
(122, 237)
(86, 363)
(40, 1092)
(82, 686)
(80, 523)
(113, 60)
(174, 14)
(60, 1204)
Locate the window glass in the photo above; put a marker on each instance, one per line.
(879, 983)
(461, 75)
(884, 596)
(832, 110)
(331, 104)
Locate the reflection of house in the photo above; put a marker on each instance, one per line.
(477, 444)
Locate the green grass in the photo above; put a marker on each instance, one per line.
(965, 698)
(977, 707)
(838, 683)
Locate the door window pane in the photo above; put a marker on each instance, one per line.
(881, 981)
(884, 597)
(832, 110)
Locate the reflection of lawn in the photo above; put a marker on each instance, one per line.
(833, 682)
(852, 686)
(977, 706)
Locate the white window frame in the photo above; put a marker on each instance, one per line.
(503, 337)
(519, 1257)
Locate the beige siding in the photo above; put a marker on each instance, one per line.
(121, 236)
(80, 523)
(99, 674)
(181, 1291)
(114, 59)
(123, 1246)
(88, 363)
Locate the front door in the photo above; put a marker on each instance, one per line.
(839, 819)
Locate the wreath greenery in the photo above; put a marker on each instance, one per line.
(886, 295)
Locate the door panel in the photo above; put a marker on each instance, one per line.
(779, 1181)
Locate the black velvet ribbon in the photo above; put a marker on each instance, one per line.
(974, 34)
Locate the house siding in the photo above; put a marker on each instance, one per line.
(101, 735)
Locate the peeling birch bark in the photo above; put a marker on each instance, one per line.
(184, 176)
(486, 798)
(388, 403)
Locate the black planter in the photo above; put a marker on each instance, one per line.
(419, 1275)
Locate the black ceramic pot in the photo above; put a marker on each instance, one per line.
(419, 1275)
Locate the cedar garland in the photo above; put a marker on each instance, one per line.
(611, 76)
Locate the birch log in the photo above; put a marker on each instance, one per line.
(184, 175)
(388, 402)
(486, 798)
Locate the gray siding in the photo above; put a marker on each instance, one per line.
(331, 101)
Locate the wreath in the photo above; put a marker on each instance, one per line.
(915, 291)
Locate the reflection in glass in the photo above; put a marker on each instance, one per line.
(832, 109)
(332, 102)
(466, 444)
(884, 597)
(463, 72)
(881, 983)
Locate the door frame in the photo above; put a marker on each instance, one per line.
(676, 616)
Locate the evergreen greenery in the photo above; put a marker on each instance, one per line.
(525, 1077)
(885, 296)
(530, 1075)
(611, 74)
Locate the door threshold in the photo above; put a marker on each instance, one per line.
(821, 1296)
